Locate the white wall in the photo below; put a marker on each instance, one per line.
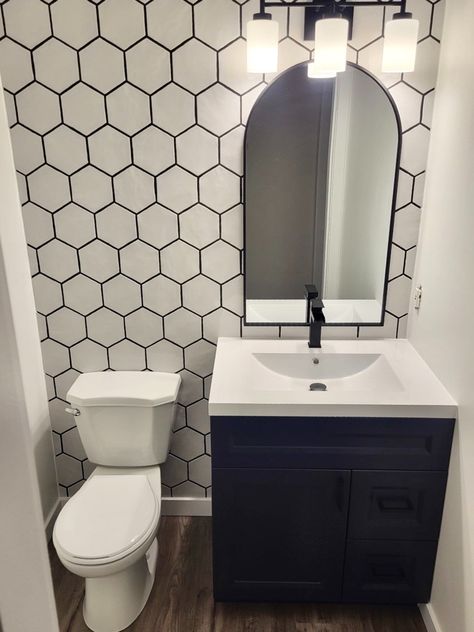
(369, 190)
(360, 195)
(337, 178)
(18, 289)
(443, 331)
(26, 595)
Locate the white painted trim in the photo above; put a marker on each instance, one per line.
(51, 518)
(429, 618)
(186, 507)
(171, 506)
(26, 589)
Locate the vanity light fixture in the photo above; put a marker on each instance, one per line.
(399, 48)
(330, 46)
(331, 22)
(314, 72)
(262, 43)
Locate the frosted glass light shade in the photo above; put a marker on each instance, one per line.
(330, 45)
(399, 48)
(315, 73)
(262, 46)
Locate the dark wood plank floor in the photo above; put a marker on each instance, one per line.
(181, 600)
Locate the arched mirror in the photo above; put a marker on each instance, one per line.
(321, 164)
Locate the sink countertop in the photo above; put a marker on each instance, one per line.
(243, 386)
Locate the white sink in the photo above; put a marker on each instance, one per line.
(358, 378)
(342, 371)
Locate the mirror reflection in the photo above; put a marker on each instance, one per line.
(321, 158)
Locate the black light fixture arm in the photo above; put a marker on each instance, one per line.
(324, 4)
(317, 9)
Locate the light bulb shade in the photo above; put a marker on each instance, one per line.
(399, 48)
(315, 73)
(262, 46)
(330, 45)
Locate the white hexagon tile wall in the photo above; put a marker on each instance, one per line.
(127, 119)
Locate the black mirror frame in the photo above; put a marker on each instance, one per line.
(392, 216)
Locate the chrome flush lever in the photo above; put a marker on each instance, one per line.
(73, 411)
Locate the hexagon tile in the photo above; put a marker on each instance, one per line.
(127, 122)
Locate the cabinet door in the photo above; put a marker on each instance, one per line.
(279, 535)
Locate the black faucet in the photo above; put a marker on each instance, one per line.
(314, 315)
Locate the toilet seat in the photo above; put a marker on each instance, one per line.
(108, 519)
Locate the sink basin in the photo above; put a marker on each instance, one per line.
(336, 370)
(345, 378)
(329, 366)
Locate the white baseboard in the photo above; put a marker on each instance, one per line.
(51, 518)
(169, 507)
(429, 618)
(186, 507)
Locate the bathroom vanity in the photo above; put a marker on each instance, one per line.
(329, 465)
(331, 496)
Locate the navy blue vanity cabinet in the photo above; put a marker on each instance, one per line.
(327, 509)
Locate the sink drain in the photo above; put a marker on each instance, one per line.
(317, 386)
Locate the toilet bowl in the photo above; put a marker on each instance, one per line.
(106, 532)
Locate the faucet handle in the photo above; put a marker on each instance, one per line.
(310, 292)
(317, 312)
(317, 304)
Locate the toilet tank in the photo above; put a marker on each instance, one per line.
(125, 418)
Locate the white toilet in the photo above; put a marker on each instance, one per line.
(107, 531)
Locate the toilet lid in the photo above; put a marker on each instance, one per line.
(124, 388)
(109, 515)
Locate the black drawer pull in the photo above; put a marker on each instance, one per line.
(394, 503)
(387, 571)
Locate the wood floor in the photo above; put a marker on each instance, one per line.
(181, 600)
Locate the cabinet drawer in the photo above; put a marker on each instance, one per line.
(396, 505)
(325, 442)
(388, 571)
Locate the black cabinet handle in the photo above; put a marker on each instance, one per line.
(387, 570)
(394, 503)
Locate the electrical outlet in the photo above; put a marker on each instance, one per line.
(417, 296)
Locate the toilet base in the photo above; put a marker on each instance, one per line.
(113, 602)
